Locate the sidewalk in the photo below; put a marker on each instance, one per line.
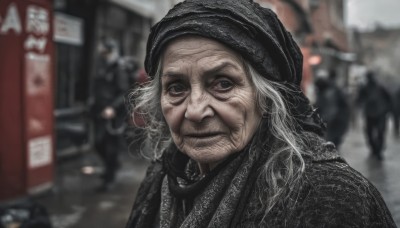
(74, 202)
(385, 175)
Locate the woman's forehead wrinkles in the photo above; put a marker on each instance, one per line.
(200, 55)
(206, 69)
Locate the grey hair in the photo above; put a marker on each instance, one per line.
(285, 165)
(145, 101)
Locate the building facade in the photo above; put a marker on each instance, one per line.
(379, 50)
(49, 60)
(319, 29)
(81, 27)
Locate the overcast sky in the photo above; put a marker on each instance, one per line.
(366, 13)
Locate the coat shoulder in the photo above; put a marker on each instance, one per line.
(335, 193)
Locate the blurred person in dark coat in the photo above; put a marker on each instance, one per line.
(376, 104)
(110, 85)
(333, 107)
(396, 112)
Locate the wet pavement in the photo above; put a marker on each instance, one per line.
(385, 174)
(74, 202)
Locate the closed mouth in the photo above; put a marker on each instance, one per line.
(202, 135)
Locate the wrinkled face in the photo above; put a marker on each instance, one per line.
(207, 100)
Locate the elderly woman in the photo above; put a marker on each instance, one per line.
(235, 142)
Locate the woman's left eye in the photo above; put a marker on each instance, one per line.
(223, 85)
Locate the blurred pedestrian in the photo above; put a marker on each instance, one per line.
(332, 106)
(110, 85)
(234, 140)
(396, 112)
(376, 104)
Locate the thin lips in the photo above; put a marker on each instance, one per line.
(202, 135)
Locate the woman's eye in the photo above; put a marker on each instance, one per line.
(223, 85)
(176, 89)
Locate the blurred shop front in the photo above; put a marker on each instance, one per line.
(79, 26)
(48, 61)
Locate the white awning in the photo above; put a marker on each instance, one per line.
(145, 8)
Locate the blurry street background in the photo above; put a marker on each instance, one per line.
(74, 204)
(55, 53)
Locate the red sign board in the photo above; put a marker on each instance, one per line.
(26, 97)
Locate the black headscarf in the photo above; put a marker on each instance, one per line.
(252, 31)
(249, 29)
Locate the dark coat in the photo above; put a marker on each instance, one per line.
(333, 108)
(110, 86)
(375, 100)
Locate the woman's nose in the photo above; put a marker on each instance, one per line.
(198, 107)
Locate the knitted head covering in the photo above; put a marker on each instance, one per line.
(249, 29)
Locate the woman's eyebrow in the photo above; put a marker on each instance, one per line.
(220, 67)
(172, 74)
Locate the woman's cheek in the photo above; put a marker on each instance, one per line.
(173, 116)
(232, 113)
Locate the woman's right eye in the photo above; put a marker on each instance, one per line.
(176, 89)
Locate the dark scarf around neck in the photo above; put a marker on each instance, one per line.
(174, 194)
